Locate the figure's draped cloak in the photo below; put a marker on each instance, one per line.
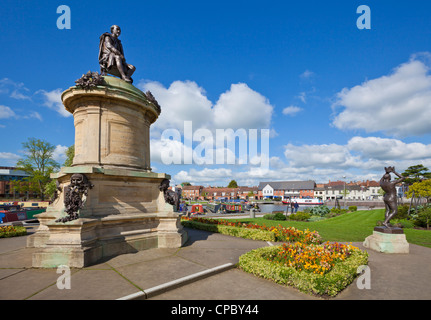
(106, 57)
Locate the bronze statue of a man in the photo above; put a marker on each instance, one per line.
(111, 56)
(390, 197)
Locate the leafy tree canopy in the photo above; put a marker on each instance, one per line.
(70, 153)
(232, 184)
(38, 162)
(416, 173)
(421, 189)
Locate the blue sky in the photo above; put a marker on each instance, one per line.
(338, 101)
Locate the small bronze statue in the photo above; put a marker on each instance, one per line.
(390, 197)
(75, 195)
(111, 56)
(171, 197)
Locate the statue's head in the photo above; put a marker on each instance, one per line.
(389, 169)
(76, 179)
(116, 30)
(79, 180)
(387, 177)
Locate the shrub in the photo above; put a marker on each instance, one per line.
(423, 218)
(299, 216)
(278, 216)
(278, 233)
(320, 211)
(269, 216)
(401, 223)
(316, 218)
(255, 234)
(308, 209)
(403, 212)
(353, 208)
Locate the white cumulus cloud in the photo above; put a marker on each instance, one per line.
(291, 110)
(52, 99)
(242, 107)
(6, 112)
(397, 104)
(181, 101)
(238, 107)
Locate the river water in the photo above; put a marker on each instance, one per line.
(269, 208)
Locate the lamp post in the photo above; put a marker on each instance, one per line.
(344, 195)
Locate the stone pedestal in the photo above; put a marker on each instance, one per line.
(387, 240)
(124, 211)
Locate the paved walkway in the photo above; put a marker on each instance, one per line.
(203, 269)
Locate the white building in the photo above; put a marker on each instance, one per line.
(352, 192)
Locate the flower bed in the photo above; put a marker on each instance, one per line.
(312, 269)
(12, 231)
(253, 231)
(318, 259)
(305, 262)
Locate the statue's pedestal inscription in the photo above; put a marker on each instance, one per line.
(109, 202)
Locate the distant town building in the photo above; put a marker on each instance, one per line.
(357, 190)
(191, 192)
(286, 189)
(363, 190)
(7, 176)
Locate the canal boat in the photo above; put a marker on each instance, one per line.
(231, 208)
(197, 209)
(16, 212)
(305, 201)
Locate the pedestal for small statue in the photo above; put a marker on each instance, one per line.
(121, 206)
(387, 240)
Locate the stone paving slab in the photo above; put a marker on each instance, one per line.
(231, 285)
(393, 276)
(89, 284)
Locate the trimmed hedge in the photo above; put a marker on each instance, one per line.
(330, 284)
(253, 231)
(254, 234)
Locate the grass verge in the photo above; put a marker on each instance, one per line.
(348, 227)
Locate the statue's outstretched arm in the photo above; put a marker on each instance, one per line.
(401, 178)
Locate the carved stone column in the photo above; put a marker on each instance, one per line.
(124, 210)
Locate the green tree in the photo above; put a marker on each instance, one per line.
(232, 184)
(70, 153)
(416, 173)
(38, 163)
(420, 189)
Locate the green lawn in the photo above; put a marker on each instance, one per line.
(349, 227)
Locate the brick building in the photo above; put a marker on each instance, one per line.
(191, 192)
